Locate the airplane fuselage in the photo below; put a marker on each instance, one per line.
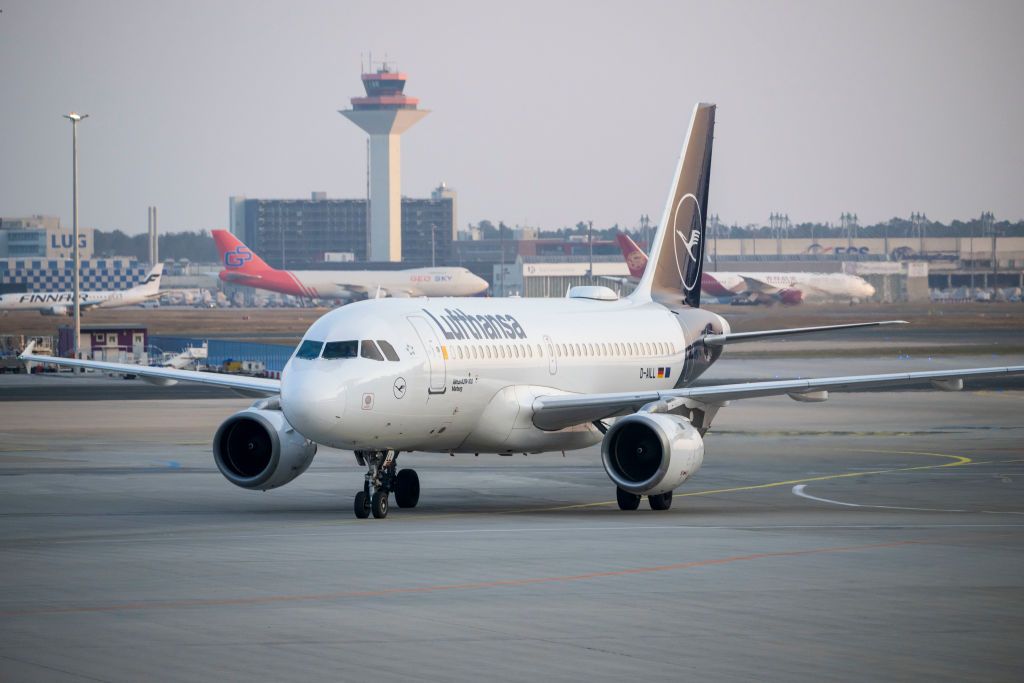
(342, 284)
(51, 300)
(812, 286)
(468, 369)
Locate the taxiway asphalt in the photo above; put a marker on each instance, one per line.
(871, 537)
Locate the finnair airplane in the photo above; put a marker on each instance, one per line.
(384, 377)
(769, 288)
(243, 267)
(63, 303)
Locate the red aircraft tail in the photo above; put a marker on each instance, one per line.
(636, 259)
(238, 258)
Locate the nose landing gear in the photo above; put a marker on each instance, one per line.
(381, 480)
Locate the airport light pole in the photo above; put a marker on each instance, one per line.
(75, 118)
(590, 248)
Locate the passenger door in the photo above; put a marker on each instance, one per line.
(435, 355)
(552, 358)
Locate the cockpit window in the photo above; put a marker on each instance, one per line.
(370, 350)
(388, 349)
(309, 349)
(341, 349)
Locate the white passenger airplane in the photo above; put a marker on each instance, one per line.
(385, 376)
(762, 287)
(62, 303)
(242, 266)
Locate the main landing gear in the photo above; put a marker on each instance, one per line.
(383, 478)
(631, 501)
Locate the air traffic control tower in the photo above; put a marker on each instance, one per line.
(385, 113)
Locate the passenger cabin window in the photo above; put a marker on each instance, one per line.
(309, 349)
(341, 349)
(369, 350)
(388, 349)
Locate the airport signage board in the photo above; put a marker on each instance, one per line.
(60, 243)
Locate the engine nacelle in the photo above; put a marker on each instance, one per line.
(791, 297)
(257, 449)
(54, 310)
(651, 453)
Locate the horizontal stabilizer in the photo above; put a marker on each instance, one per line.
(230, 275)
(734, 337)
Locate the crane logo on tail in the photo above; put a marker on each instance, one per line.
(687, 219)
(690, 243)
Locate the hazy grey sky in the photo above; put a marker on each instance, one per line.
(544, 113)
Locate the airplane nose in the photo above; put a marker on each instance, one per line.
(869, 290)
(312, 400)
(479, 284)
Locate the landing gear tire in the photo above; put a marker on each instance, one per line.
(362, 505)
(660, 502)
(627, 500)
(379, 504)
(407, 488)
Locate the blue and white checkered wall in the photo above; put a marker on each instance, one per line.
(44, 275)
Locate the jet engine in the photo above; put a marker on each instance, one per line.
(651, 453)
(54, 310)
(791, 297)
(257, 449)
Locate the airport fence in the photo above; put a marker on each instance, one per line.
(219, 351)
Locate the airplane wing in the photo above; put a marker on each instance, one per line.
(752, 284)
(558, 412)
(379, 291)
(248, 386)
(352, 289)
(733, 337)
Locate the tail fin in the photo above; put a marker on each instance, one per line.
(150, 284)
(236, 257)
(676, 260)
(636, 259)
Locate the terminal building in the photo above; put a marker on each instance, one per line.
(300, 233)
(36, 256)
(42, 237)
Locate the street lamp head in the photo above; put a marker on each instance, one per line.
(75, 116)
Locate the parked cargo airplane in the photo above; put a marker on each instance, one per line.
(767, 288)
(243, 267)
(63, 303)
(389, 376)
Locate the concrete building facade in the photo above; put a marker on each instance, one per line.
(297, 233)
(42, 237)
(48, 275)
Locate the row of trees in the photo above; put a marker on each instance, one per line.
(199, 246)
(895, 227)
(194, 246)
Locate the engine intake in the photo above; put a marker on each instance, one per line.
(651, 453)
(257, 449)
